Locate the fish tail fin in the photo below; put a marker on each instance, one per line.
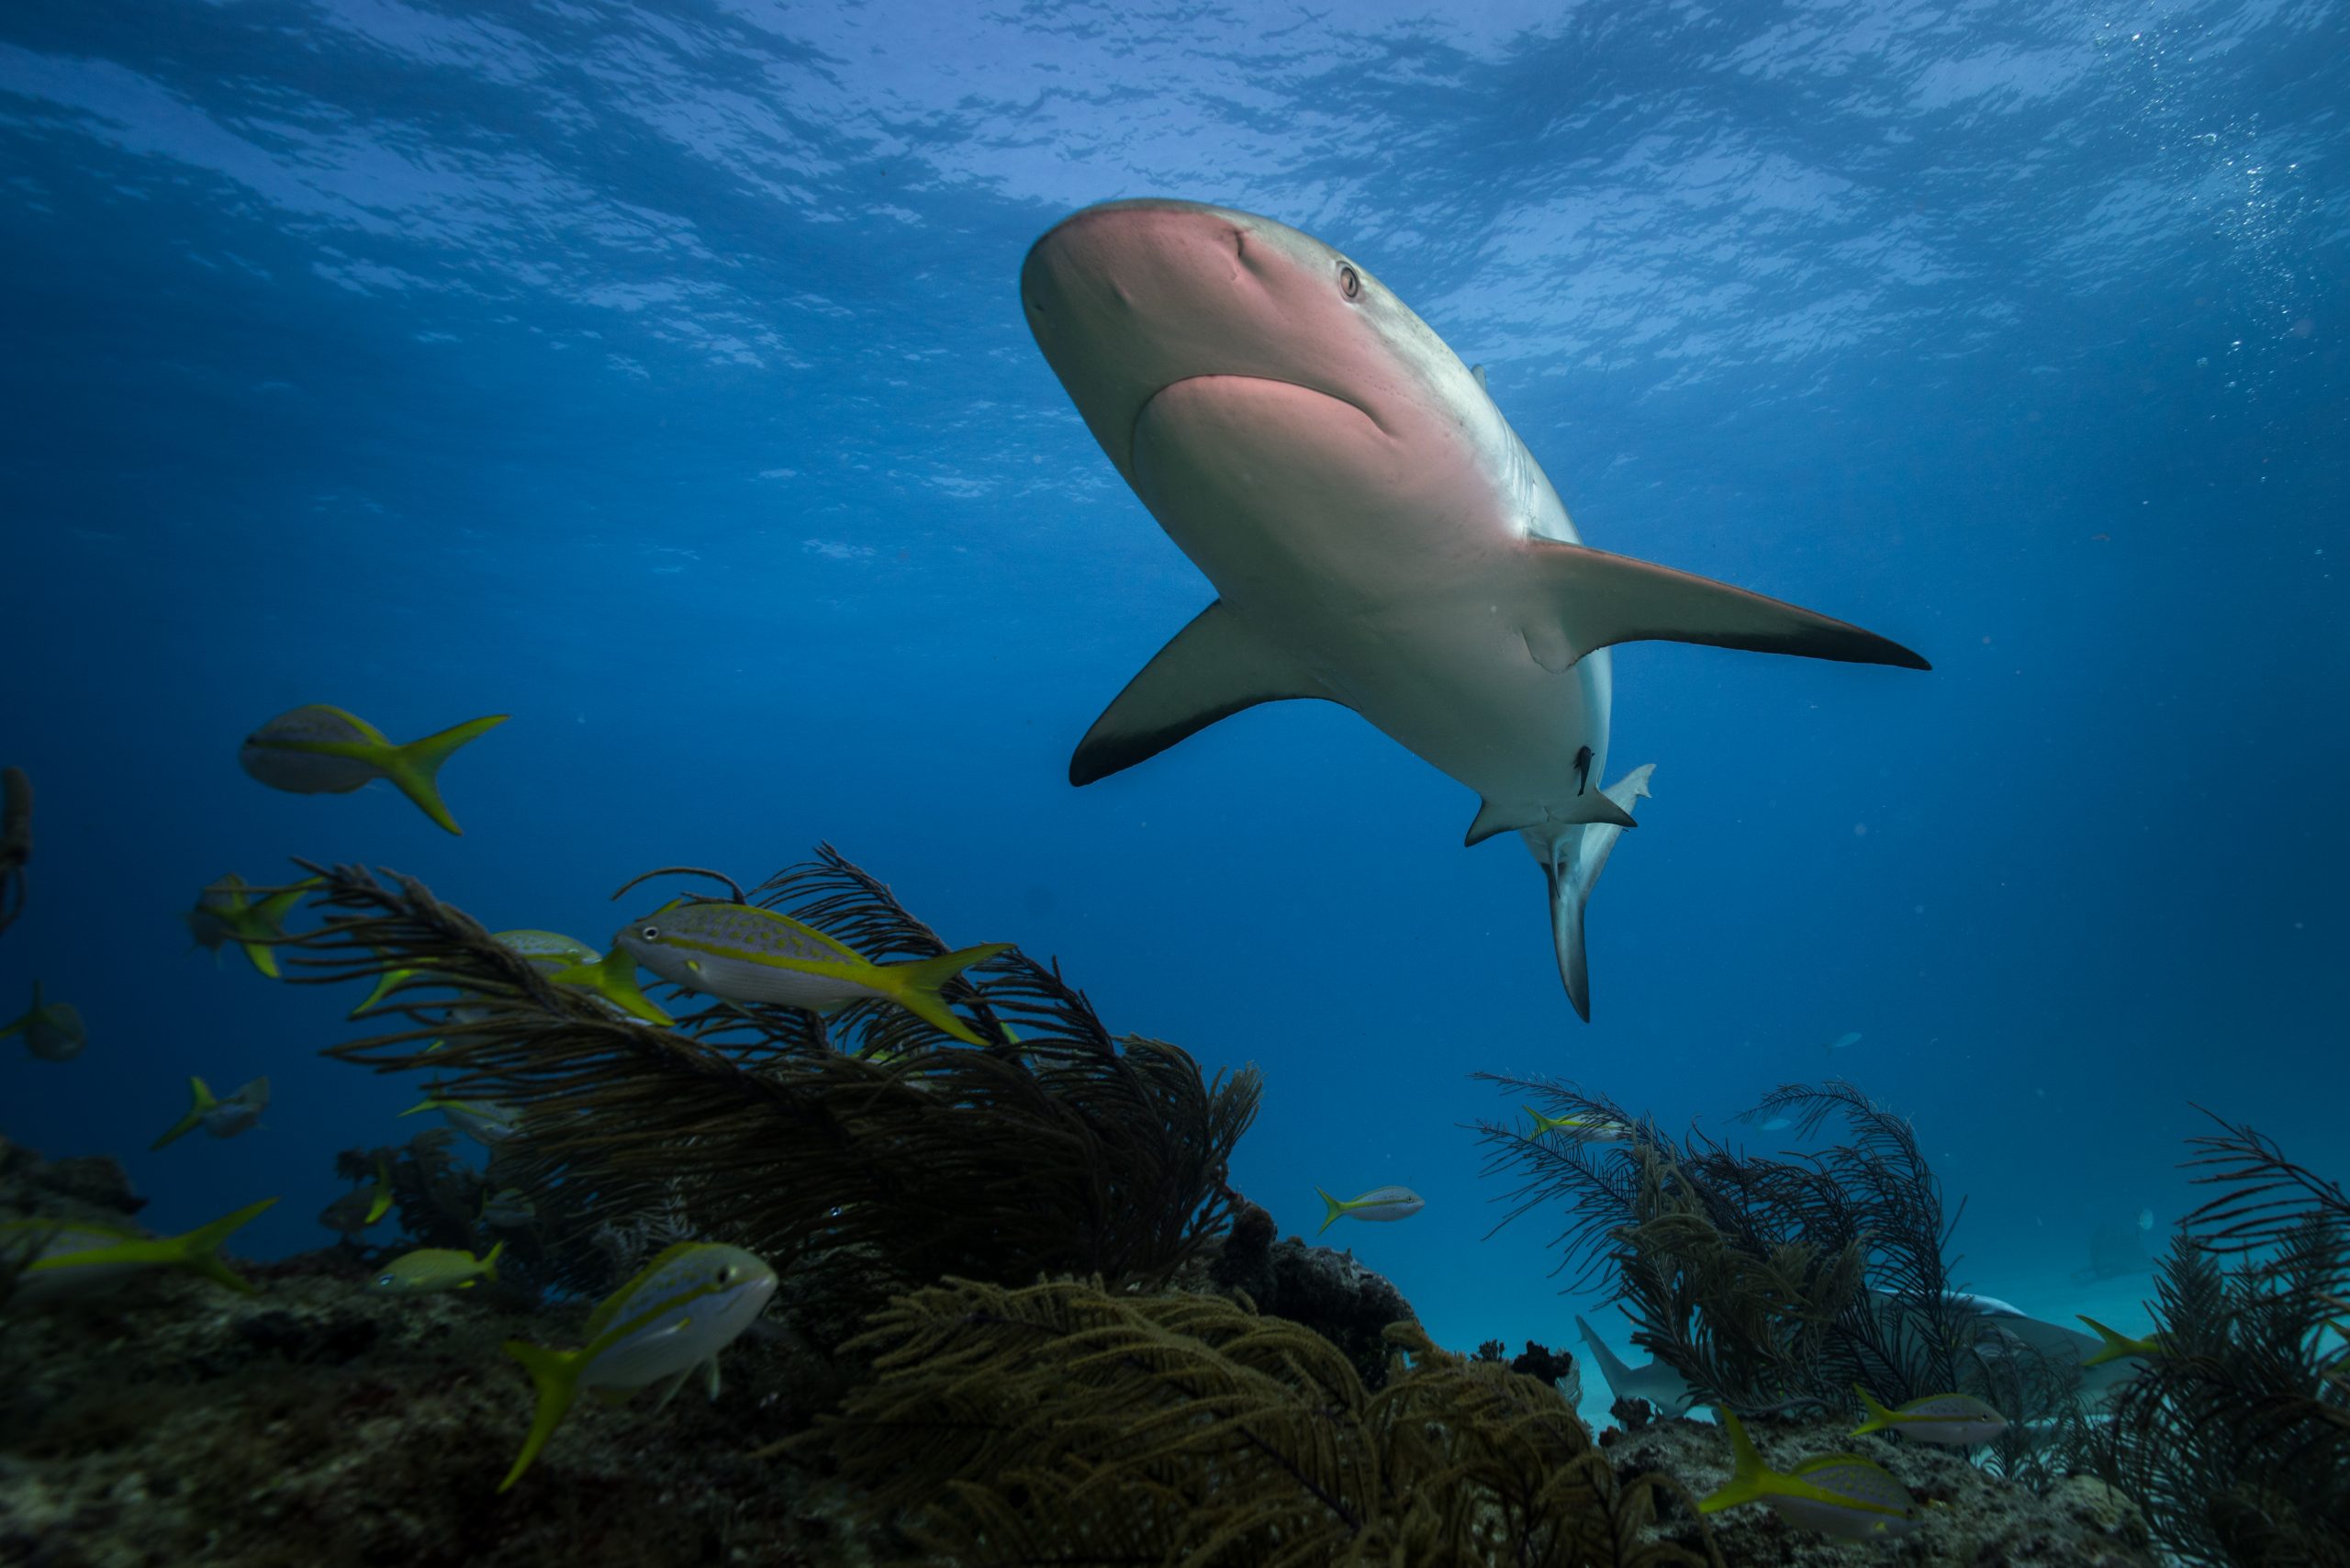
(915, 986)
(259, 926)
(385, 983)
(490, 1262)
(1335, 1209)
(555, 1375)
(414, 767)
(199, 1099)
(2114, 1347)
(1573, 855)
(1611, 1365)
(613, 977)
(1747, 1473)
(1880, 1420)
(198, 1251)
(381, 1204)
(425, 1105)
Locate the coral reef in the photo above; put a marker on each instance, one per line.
(1057, 1149)
(2235, 1437)
(1981, 1521)
(1768, 1282)
(174, 1422)
(1067, 1423)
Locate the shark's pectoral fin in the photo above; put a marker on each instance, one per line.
(1588, 599)
(1214, 667)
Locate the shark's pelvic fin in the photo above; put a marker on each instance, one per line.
(1587, 598)
(1572, 857)
(1592, 806)
(1214, 667)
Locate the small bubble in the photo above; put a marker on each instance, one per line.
(1860, 830)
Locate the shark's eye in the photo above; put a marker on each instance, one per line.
(1350, 283)
(650, 932)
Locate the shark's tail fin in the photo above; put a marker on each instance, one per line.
(1611, 1367)
(1573, 857)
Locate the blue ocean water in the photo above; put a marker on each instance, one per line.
(656, 374)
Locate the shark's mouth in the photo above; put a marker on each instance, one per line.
(1207, 383)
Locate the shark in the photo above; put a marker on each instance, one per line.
(1377, 534)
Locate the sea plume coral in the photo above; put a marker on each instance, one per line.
(1763, 1280)
(868, 1135)
(1065, 1423)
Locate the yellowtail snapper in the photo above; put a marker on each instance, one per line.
(1379, 1204)
(323, 750)
(75, 1258)
(740, 953)
(53, 1031)
(1840, 1495)
(429, 1269)
(226, 912)
(679, 1311)
(221, 1118)
(1953, 1419)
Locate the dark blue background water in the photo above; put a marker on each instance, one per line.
(656, 375)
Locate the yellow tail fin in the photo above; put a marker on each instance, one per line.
(414, 767)
(914, 987)
(2115, 1346)
(556, 1374)
(1747, 1473)
(1880, 1420)
(198, 1251)
(613, 977)
(1336, 1209)
(200, 1100)
(489, 1263)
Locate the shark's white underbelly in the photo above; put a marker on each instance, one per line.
(1375, 563)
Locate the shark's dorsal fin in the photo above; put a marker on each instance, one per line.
(1213, 667)
(1586, 598)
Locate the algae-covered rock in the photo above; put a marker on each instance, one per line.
(176, 1422)
(313, 1424)
(1972, 1519)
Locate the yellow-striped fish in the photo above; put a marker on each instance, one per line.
(679, 1311)
(1379, 1205)
(740, 953)
(1953, 1419)
(221, 1118)
(322, 750)
(53, 1031)
(429, 1269)
(75, 1258)
(1840, 1495)
(1588, 1129)
(485, 1121)
(226, 912)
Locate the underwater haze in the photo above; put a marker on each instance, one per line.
(658, 374)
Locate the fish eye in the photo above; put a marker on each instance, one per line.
(726, 1275)
(650, 932)
(1350, 281)
(383, 1278)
